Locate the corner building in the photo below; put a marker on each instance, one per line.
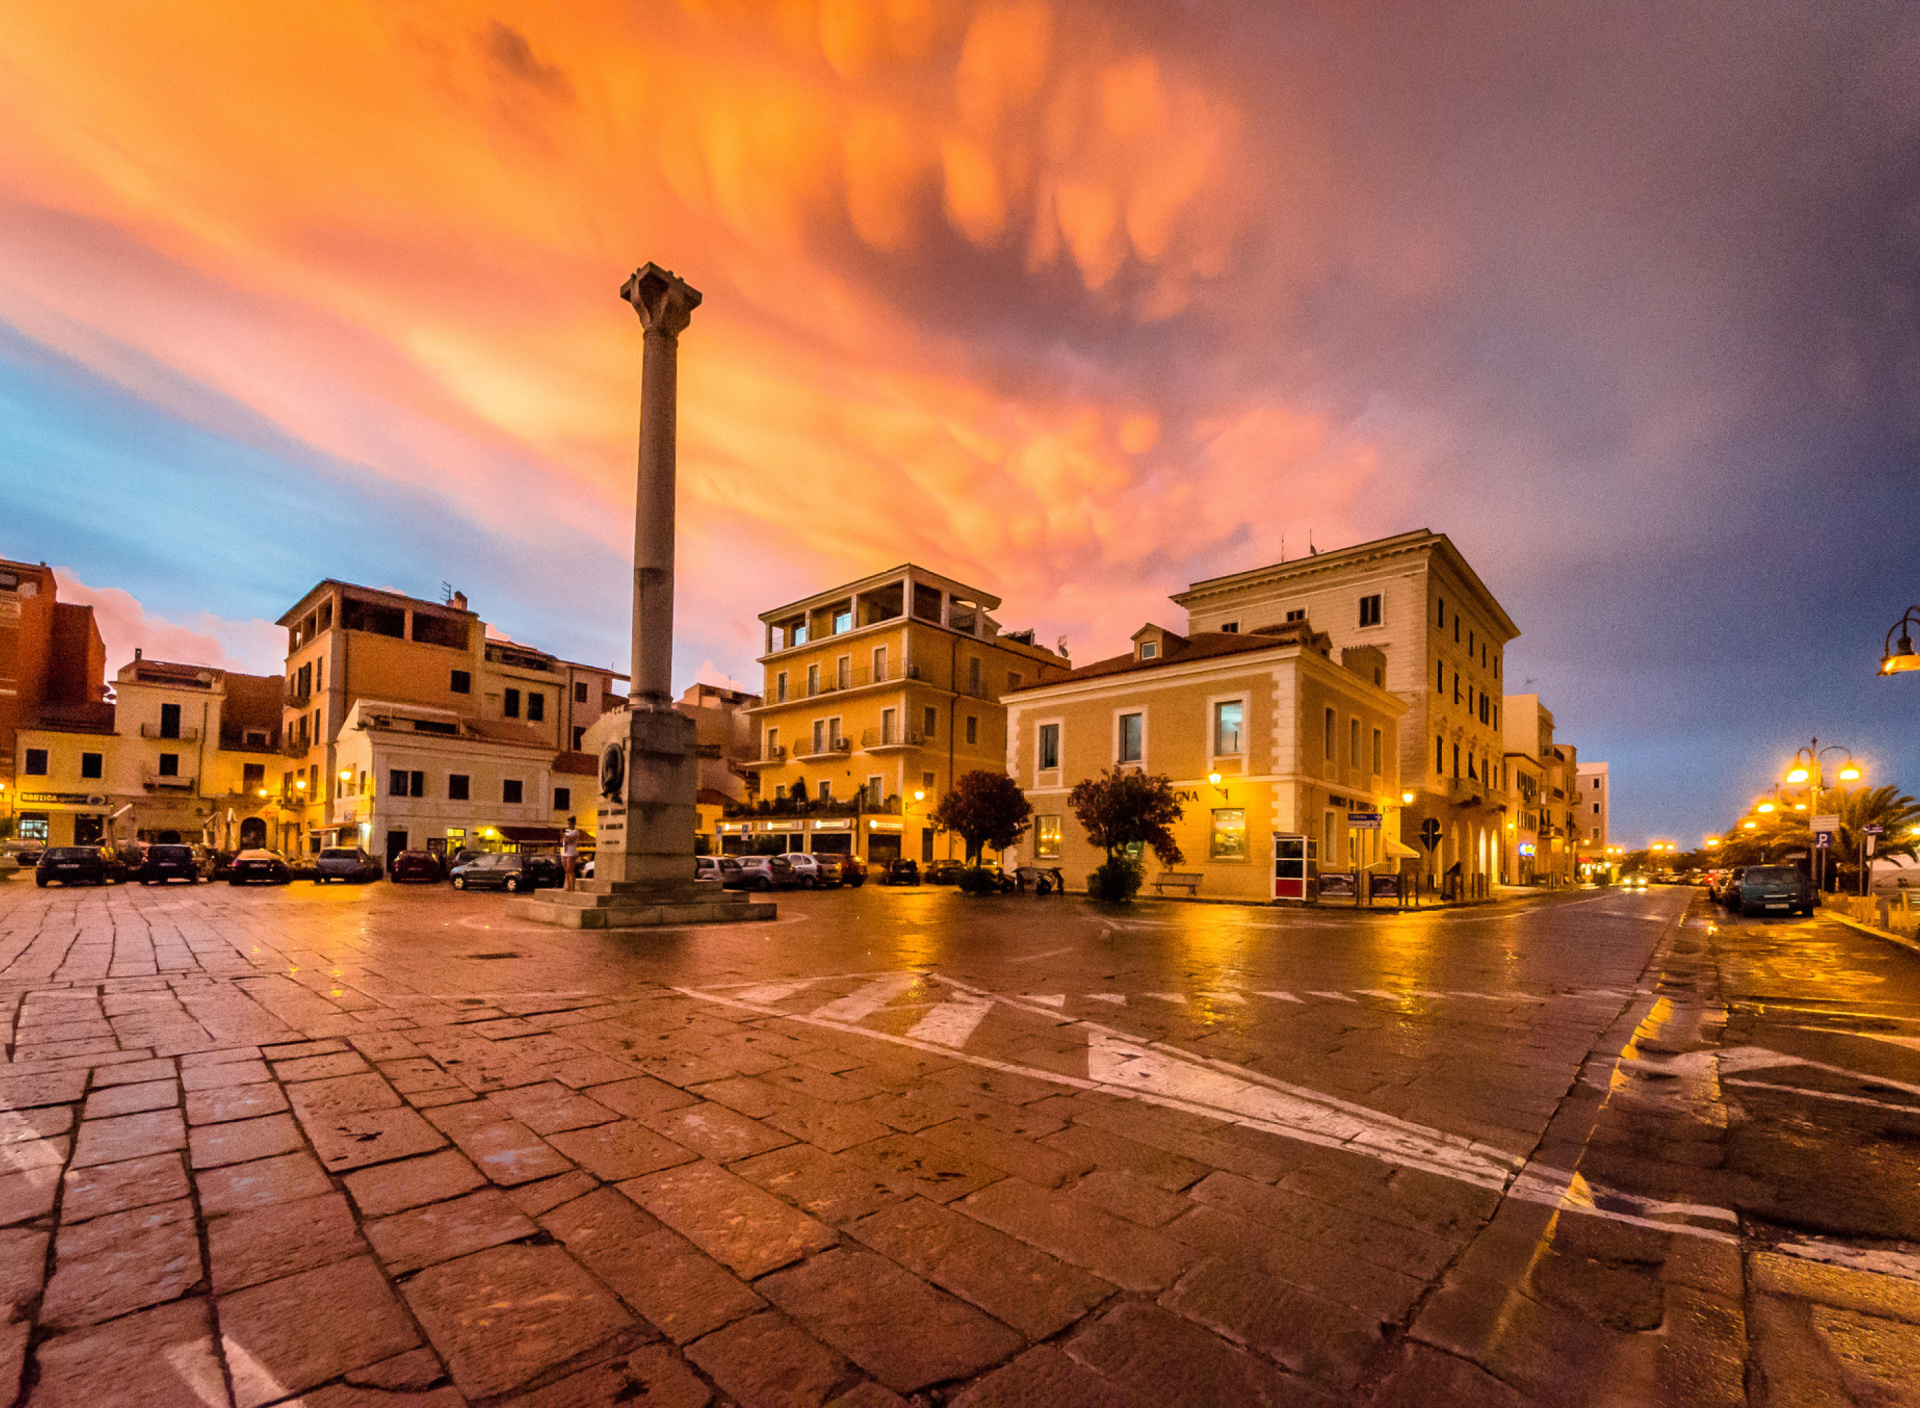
(879, 693)
(1261, 733)
(1442, 637)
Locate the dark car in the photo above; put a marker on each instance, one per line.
(900, 871)
(510, 872)
(259, 867)
(348, 863)
(943, 872)
(1771, 889)
(416, 865)
(166, 862)
(848, 870)
(72, 865)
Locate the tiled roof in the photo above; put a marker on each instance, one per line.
(1202, 645)
(579, 764)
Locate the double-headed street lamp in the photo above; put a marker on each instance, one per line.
(1808, 772)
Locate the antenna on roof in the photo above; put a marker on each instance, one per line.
(446, 592)
(1283, 547)
(1312, 551)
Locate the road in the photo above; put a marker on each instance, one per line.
(358, 1145)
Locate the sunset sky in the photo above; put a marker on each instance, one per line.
(1076, 302)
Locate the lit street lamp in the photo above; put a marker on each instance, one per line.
(1808, 772)
(1898, 660)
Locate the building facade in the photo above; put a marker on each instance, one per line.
(450, 689)
(1593, 791)
(1442, 638)
(878, 693)
(1262, 733)
(1543, 834)
(53, 670)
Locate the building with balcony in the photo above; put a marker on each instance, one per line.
(435, 667)
(1264, 735)
(1441, 637)
(1593, 798)
(878, 693)
(1542, 841)
(53, 670)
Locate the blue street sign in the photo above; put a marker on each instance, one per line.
(1823, 838)
(1364, 820)
(1873, 829)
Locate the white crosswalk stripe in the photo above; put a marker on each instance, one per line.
(951, 1023)
(865, 1001)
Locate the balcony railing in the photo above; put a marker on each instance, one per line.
(783, 805)
(166, 782)
(860, 679)
(975, 689)
(823, 748)
(877, 738)
(295, 747)
(773, 753)
(297, 696)
(179, 735)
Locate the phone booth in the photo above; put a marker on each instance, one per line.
(1296, 865)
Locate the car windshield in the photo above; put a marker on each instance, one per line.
(170, 852)
(339, 855)
(71, 853)
(1769, 875)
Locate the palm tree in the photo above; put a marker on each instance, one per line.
(1897, 814)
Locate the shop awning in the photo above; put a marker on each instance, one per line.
(1399, 850)
(531, 835)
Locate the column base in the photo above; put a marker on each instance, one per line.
(618, 904)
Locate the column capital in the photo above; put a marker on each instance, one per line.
(664, 301)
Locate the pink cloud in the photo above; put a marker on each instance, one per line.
(252, 647)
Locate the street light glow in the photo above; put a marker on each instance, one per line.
(1849, 773)
(1797, 775)
(1764, 807)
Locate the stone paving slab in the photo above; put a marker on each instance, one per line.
(582, 1174)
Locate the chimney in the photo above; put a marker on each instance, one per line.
(459, 601)
(136, 652)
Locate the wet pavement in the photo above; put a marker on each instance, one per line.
(354, 1146)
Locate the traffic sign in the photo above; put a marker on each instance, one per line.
(1430, 833)
(1823, 839)
(1365, 821)
(1873, 828)
(1826, 823)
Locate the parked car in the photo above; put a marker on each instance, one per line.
(813, 872)
(416, 865)
(1728, 888)
(1772, 889)
(725, 869)
(509, 871)
(348, 863)
(262, 866)
(167, 862)
(72, 865)
(850, 870)
(900, 871)
(767, 873)
(943, 872)
(463, 856)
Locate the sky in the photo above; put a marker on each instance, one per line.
(1076, 302)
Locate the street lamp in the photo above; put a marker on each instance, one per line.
(1899, 660)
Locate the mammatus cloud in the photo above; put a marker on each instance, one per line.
(249, 647)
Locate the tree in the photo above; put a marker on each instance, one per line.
(984, 809)
(1122, 808)
(1779, 834)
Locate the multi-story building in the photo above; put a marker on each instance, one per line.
(878, 694)
(1442, 639)
(1593, 791)
(53, 669)
(193, 753)
(726, 737)
(1543, 834)
(387, 692)
(1265, 738)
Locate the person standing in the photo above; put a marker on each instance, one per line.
(570, 849)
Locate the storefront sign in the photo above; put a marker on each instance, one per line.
(844, 823)
(878, 825)
(63, 799)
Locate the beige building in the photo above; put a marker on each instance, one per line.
(1266, 739)
(460, 703)
(1593, 804)
(878, 693)
(1543, 834)
(1442, 637)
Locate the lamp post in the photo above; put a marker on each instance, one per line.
(1898, 660)
(1809, 772)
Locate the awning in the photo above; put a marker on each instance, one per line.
(531, 835)
(1399, 850)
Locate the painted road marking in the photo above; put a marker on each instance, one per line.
(1052, 999)
(1823, 1095)
(951, 1023)
(1117, 999)
(865, 1001)
(1175, 997)
(775, 992)
(1335, 996)
(1282, 996)
(1229, 997)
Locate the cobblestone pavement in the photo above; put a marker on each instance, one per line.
(356, 1146)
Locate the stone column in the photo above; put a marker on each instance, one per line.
(665, 304)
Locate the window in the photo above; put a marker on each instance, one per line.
(510, 705)
(843, 671)
(1456, 686)
(1133, 737)
(253, 777)
(580, 691)
(459, 787)
(1596, 809)
(1046, 837)
(1456, 760)
(562, 798)
(1353, 743)
(1049, 749)
(510, 790)
(579, 736)
(813, 680)
(780, 688)
(1596, 833)
(1496, 716)
(1370, 610)
(396, 782)
(1228, 717)
(169, 720)
(973, 729)
(461, 682)
(833, 733)
(1231, 628)
(826, 790)
(536, 706)
(1440, 677)
(90, 763)
(819, 735)
(889, 728)
(1329, 741)
(1378, 756)
(875, 793)
(1148, 649)
(926, 782)
(416, 783)
(1014, 679)
(36, 764)
(169, 764)
(1470, 645)
(931, 721)
(973, 676)
(1456, 629)
(879, 663)
(33, 827)
(1496, 667)
(1486, 709)
(1228, 839)
(843, 620)
(773, 743)
(1441, 603)
(1298, 614)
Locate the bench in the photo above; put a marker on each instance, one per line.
(1187, 879)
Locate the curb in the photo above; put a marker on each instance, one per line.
(1892, 938)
